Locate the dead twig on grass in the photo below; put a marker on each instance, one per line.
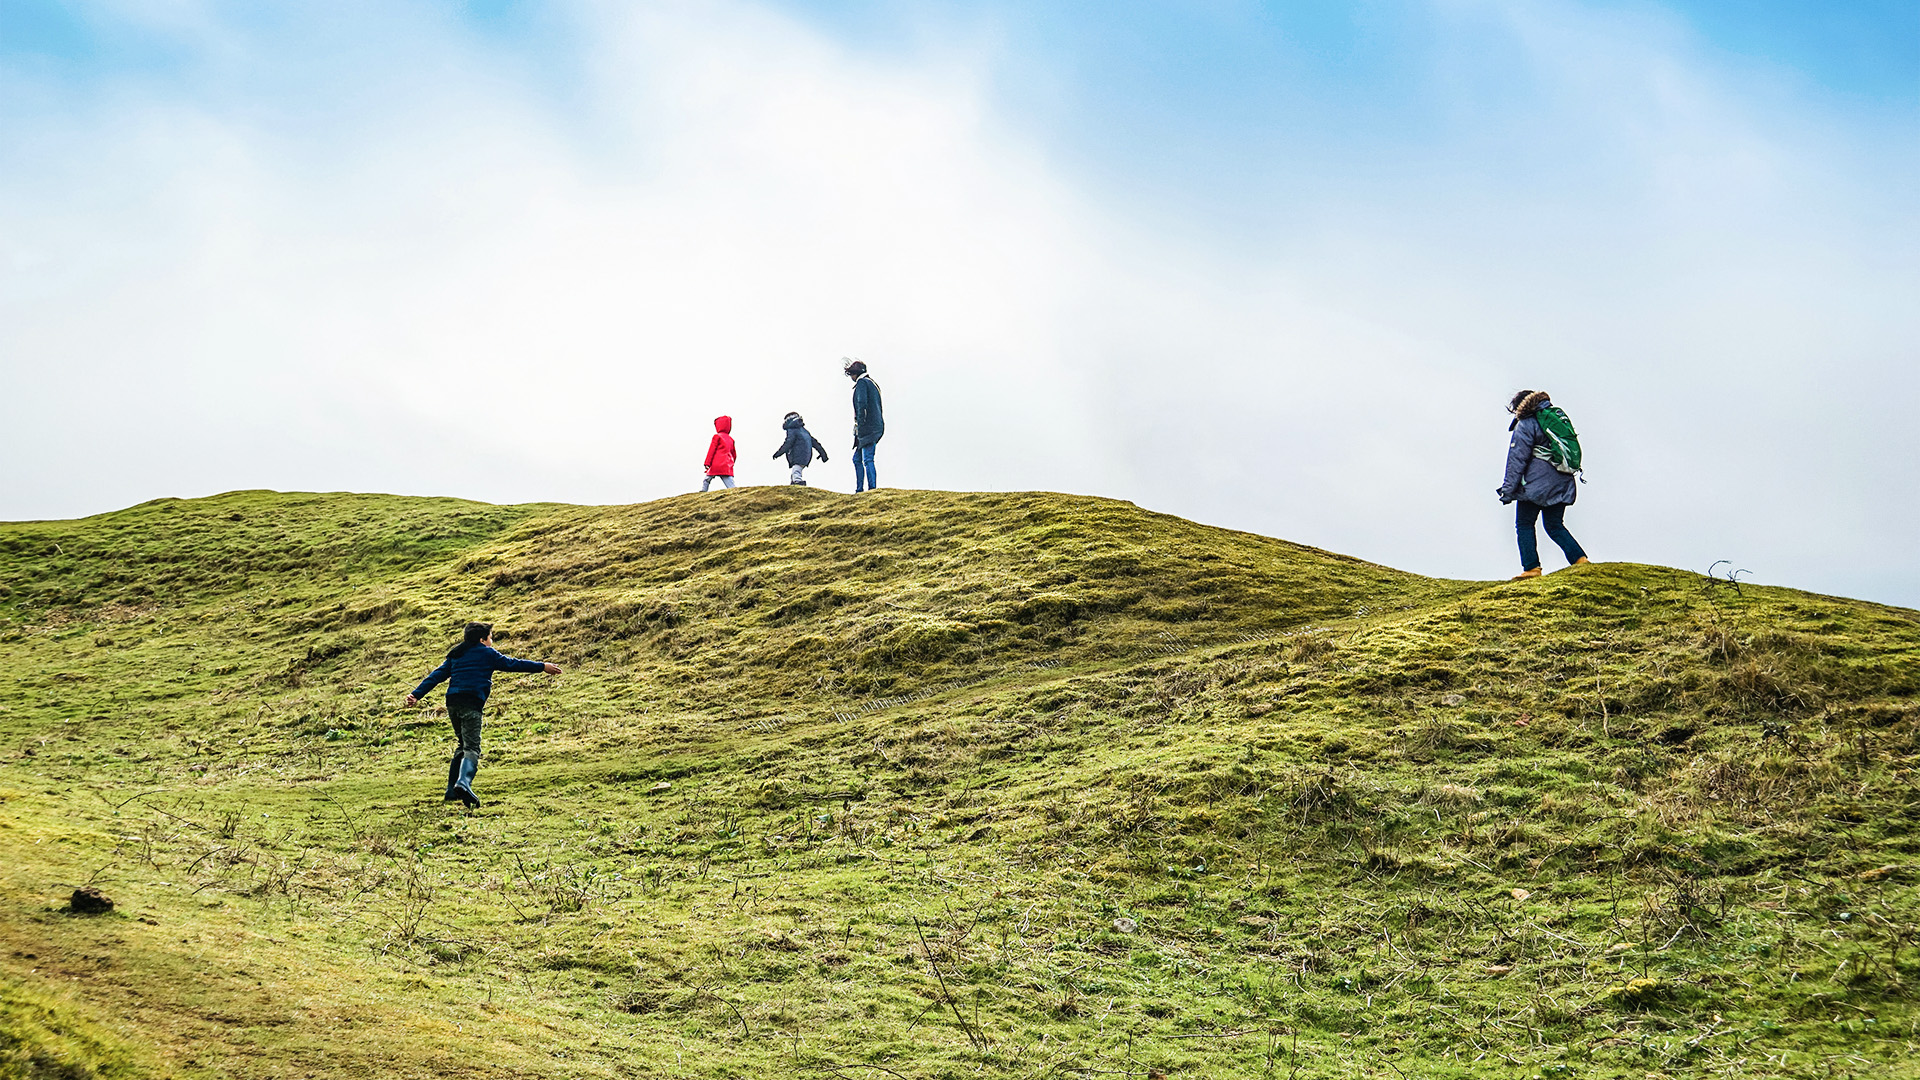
(945, 994)
(122, 803)
(708, 990)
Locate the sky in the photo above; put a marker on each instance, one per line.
(1270, 266)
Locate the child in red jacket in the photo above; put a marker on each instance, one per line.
(720, 454)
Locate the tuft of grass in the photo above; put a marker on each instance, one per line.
(934, 784)
(42, 1035)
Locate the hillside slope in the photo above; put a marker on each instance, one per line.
(931, 784)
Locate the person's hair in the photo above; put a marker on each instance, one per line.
(1520, 396)
(474, 634)
(792, 416)
(853, 367)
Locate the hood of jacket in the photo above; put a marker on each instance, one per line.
(1531, 404)
(793, 422)
(723, 424)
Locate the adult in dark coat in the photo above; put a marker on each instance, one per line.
(868, 424)
(1539, 491)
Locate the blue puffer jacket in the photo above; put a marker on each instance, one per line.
(800, 445)
(472, 672)
(868, 423)
(1534, 478)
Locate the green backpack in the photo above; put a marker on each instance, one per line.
(1561, 447)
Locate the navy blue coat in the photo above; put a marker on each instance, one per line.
(800, 445)
(1534, 478)
(472, 672)
(868, 423)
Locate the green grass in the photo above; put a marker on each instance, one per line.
(926, 785)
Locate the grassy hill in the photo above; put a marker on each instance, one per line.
(918, 784)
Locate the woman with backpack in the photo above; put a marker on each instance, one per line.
(1542, 460)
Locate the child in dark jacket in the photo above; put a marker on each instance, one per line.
(470, 665)
(799, 448)
(720, 454)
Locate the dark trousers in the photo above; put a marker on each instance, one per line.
(1555, 518)
(463, 711)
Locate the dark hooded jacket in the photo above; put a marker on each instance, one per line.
(1529, 476)
(868, 423)
(471, 669)
(720, 451)
(800, 445)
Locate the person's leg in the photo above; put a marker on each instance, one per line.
(463, 788)
(470, 733)
(727, 480)
(1525, 514)
(859, 471)
(707, 483)
(459, 753)
(873, 478)
(467, 717)
(1555, 519)
(798, 476)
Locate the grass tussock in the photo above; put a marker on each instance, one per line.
(932, 784)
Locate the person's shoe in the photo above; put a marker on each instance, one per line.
(1525, 574)
(796, 483)
(453, 777)
(463, 787)
(1581, 561)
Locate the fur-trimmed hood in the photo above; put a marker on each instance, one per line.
(1528, 406)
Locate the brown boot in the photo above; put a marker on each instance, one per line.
(1581, 561)
(1525, 574)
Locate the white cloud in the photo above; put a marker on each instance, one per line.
(393, 259)
(1708, 278)
(276, 305)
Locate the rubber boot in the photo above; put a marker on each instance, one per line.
(1525, 574)
(463, 787)
(453, 776)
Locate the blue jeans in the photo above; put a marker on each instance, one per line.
(863, 475)
(1555, 516)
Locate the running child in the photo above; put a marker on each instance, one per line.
(470, 665)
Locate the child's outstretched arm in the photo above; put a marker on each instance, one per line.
(818, 449)
(434, 678)
(503, 662)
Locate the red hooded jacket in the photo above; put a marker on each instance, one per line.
(720, 450)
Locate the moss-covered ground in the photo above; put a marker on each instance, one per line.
(916, 784)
